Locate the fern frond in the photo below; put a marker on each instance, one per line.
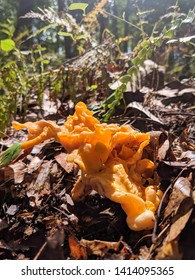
(91, 17)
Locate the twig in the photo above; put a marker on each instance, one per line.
(179, 113)
(40, 251)
(126, 21)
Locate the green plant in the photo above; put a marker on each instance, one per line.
(148, 47)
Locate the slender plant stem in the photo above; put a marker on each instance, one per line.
(130, 23)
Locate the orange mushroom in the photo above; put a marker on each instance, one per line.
(110, 159)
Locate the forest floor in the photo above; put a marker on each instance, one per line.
(39, 219)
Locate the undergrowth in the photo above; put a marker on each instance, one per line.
(26, 73)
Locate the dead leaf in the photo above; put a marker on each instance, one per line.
(15, 171)
(181, 191)
(43, 176)
(34, 164)
(28, 230)
(185, 142)
(77, 250)
(99, 247)
(169, 251)
(189, 155)
(179, 222)
(145, 111)
(170, 169)
(3, 224)
(61, 159)
(12, 210)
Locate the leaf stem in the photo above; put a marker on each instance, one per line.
(128, 22)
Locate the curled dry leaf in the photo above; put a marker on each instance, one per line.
(77, 250)
(145, 111)
(99, 247)
(177, 214)
(183, 206)
(181, 191)
(15, 171)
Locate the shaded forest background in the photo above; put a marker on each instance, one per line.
(150, 12)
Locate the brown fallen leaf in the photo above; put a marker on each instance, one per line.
(99, 247)
(180, 197)
(185, 143)
(169, 251)
(170, 169)
(77, 250)
(12, 210)
(61, 159)
(188, 155)
(43, 176)
(180, 220)
(175, 218)
(34, 164)
(145, 111)
(15, 171)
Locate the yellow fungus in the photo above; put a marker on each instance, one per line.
(110, 159)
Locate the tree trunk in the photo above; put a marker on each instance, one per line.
(23, 23)
(127, 26)
(67, 42)
(114, 24)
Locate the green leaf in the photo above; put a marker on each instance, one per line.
(175, 24)
(83, 36)
(10, 154)
(7, 45)
(158, 41)
(78, 6)
(125, 79)
(132, 70)
(93, 87)
(142, 53)
(46, 61)
(190, 17)
(145, 43)
(136, 61)
(65, 34)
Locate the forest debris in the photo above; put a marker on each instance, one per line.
(77, 250)
(181, 191)
(3, 224)
(28, 230)
(43, 176)
(62, 160)
(12, 210)
(110, 159)
(176, 215)
(145, 111)
(34, 164)
(15, 171)
(185, 142)
(99, 247)
(52, 248)
(168, 169)
(169, 251)
(188, 155)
